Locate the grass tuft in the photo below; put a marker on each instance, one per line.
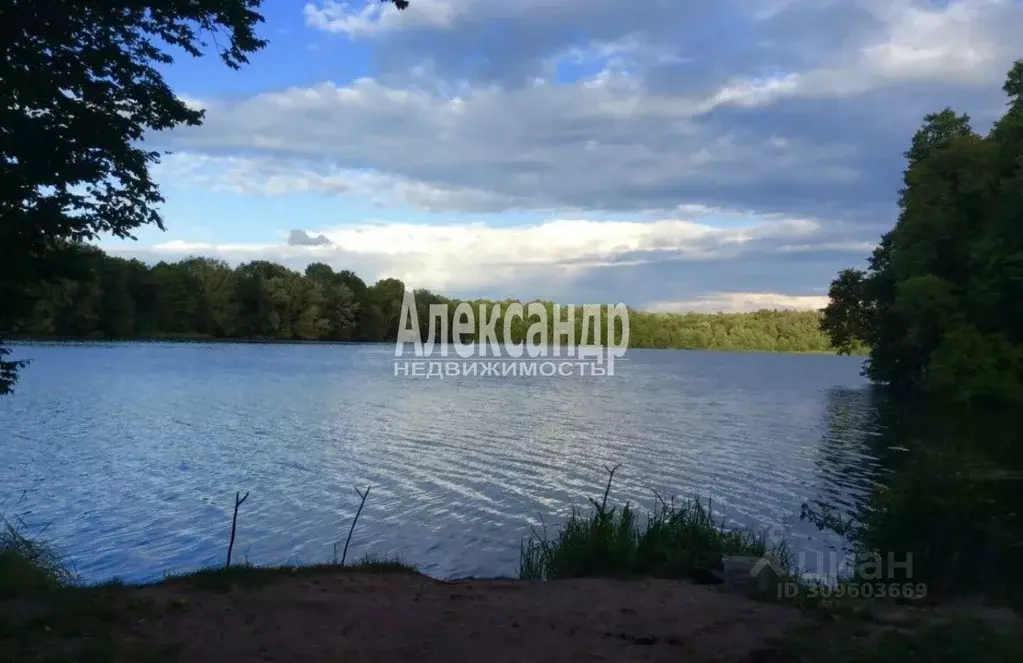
(222, 579)
(28, 566)
(374, 564)
(676, 540)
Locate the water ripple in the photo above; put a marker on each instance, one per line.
(133, 452)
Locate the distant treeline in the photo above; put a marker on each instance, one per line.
(204, 298)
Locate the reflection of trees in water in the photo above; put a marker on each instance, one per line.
(847, 462)
(941, 483)
(846, 471)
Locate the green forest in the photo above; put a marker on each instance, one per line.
(941, 304)
(107, 297)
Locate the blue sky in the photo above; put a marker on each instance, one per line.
(669, 154)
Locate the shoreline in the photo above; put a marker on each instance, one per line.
(352, 615)
(604, 588)
(16, 340)
(395, 614)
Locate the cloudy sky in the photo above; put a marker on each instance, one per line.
(669, 154)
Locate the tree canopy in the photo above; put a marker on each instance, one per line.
(941, 303)
(204, 298)
(81, 88)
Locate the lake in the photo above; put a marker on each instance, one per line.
(127, 456)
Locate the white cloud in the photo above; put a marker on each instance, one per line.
(776, 110)
(567, 242)
(963, 42)
(266, 176)
(480, 258)
(867, 42)
(604, 144)
(806, 116)
(921, 40)
(375, 17)
(741, 302)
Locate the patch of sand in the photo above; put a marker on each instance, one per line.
(362, 618)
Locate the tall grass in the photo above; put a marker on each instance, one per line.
(28, 565)
(676, 540)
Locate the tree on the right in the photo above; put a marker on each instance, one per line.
(940, 305)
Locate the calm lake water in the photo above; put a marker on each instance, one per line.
(130, 454)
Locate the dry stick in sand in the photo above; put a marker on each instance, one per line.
(234, 523)
(363, 495)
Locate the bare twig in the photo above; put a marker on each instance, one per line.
(659, 499)
(234, 523)
(363, 495)
(610, 477)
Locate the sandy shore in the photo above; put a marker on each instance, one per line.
(391, 618)
(341, 616)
